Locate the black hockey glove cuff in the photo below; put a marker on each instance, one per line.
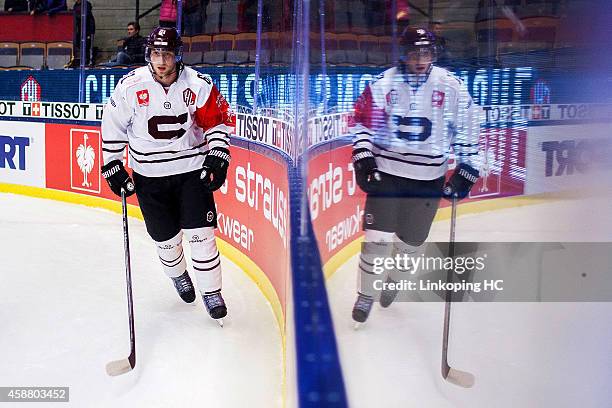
(117, 178)
(214, 169)
(366, 171)
(461, 182)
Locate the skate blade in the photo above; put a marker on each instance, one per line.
(357, 325)
(219, 322)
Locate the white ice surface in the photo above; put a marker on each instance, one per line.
(528, 355)
(63, 316)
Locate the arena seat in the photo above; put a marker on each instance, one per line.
(244, 45)
(32, 54)
(220, 44)
(349, 44)
(9, 54)
(199, 45)
(58, 54)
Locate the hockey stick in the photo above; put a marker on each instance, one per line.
(452, 375)
(119, 367)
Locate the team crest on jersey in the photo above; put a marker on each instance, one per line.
(143, 97)
(392, 97)
(189, 97)
(437, 99)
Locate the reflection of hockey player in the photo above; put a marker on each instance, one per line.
(177, 126)
(405, 124)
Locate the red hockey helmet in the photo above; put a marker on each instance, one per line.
(419, 40)
(164, 39)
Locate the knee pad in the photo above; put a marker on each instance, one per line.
(206, 258)
(171, 255)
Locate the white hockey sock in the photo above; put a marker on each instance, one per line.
(409, 254)
(377, 246)
(206, 258)
(171, 256)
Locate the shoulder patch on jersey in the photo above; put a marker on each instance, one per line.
(450, 75)
(126, 76)
(437, 99)
(205, 78)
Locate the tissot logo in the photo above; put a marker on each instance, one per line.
(31, 109)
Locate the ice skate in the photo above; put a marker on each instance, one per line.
(361, 309)
(184, 287)
(215, 305)
(388, 296)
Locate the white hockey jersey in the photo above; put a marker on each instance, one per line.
(166, 132)
(411, 128)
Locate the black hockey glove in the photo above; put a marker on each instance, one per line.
(215, 165)
(366, 171)
(461, 182)
(117, 178)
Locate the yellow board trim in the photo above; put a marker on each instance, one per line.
(353, 248)
(250, 268)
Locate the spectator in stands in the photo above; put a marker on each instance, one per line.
(192, 17)
(167, 13)
(15, 6)
(131, 51)
(49, 7)
(76, 36)
(444, 58)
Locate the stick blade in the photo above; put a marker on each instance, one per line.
(118, 367)
(460, 378)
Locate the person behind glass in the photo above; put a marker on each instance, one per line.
(168, 13)
(49, 7)
(405, 124)
(76, 36)
(132, 48)
(444, 58)
(176, 126)
(15, 6)
(192, 17)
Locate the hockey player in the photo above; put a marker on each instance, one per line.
(405, 124)
(176, 125)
